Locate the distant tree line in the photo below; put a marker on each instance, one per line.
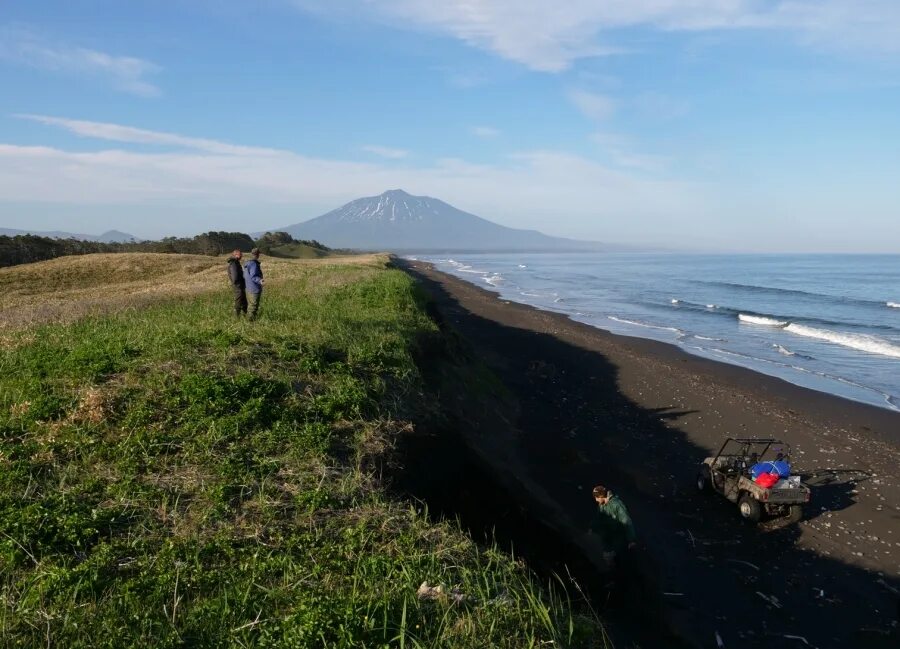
(27, 248)
(273, 239)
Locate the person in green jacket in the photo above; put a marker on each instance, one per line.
(611, 523)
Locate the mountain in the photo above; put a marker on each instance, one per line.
(396, 220)
(115, 236)
(111, 236)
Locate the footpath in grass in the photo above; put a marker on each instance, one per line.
(172, 477)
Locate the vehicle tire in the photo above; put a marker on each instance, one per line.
(750, 509)
(795, 513)
(703, 483)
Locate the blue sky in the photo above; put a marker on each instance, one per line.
(758, 125)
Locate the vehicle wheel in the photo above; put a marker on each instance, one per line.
(750, 509)
(795, 513)
(703, 483)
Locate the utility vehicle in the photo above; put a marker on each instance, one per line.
(727, 473)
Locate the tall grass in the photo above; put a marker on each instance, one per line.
(172, 477)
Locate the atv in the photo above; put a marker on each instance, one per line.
(727, 473)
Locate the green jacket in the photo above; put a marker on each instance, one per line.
(613, 525)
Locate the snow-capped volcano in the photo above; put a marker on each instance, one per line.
(396, 220)
(394, 206)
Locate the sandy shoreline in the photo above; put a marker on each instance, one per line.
(639, 415)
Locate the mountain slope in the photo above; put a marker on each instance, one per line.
(112, 236)
(396, 220)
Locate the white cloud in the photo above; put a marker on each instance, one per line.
(593, 105)
(619, 150)
(549, 35)
(119, 133)
(153, 193)
(386, 151)
(485, 132)
(126, 73)
(521, 192)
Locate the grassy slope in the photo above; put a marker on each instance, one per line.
(169, 476)
(298, 251)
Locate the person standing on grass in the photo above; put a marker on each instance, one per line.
(236, 276)
(253, 277)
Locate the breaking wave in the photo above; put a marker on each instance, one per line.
(691, 304)
(893, 305)
(773, 290)
(642, 324)
(761, 320)
(861, 342)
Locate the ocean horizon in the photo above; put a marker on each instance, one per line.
(829, 322)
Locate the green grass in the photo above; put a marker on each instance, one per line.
(297, 250)
(171, 477)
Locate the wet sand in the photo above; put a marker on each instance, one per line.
(639, 416)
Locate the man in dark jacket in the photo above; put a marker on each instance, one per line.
(236, 276)
(253, 277)
(634, 578)
(611, 523)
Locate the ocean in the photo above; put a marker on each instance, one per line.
(826, 322)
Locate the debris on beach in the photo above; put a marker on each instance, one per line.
(427, 593)
(746, 563)
(771, 599)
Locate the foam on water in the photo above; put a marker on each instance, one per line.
(643, 324)
(761, 320)
(784, 350)
(861, 342)
(893, 305)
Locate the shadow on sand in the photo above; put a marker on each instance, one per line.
(719, 579)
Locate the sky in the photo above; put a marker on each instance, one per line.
(739, 125)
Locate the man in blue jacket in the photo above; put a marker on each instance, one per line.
(253, 277)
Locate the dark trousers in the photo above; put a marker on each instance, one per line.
(240, 301)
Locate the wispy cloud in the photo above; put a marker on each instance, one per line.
(119, 133)
(621, 153)
(209, 173)
(485, 132)
(386, 151)
(126, 73)
(546, 36)
(596, 106)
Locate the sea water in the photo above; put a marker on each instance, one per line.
(827, 322)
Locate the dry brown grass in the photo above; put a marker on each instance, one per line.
(69, 288)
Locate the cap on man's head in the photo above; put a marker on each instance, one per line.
(600, 491)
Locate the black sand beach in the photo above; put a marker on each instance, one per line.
(639, 416)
